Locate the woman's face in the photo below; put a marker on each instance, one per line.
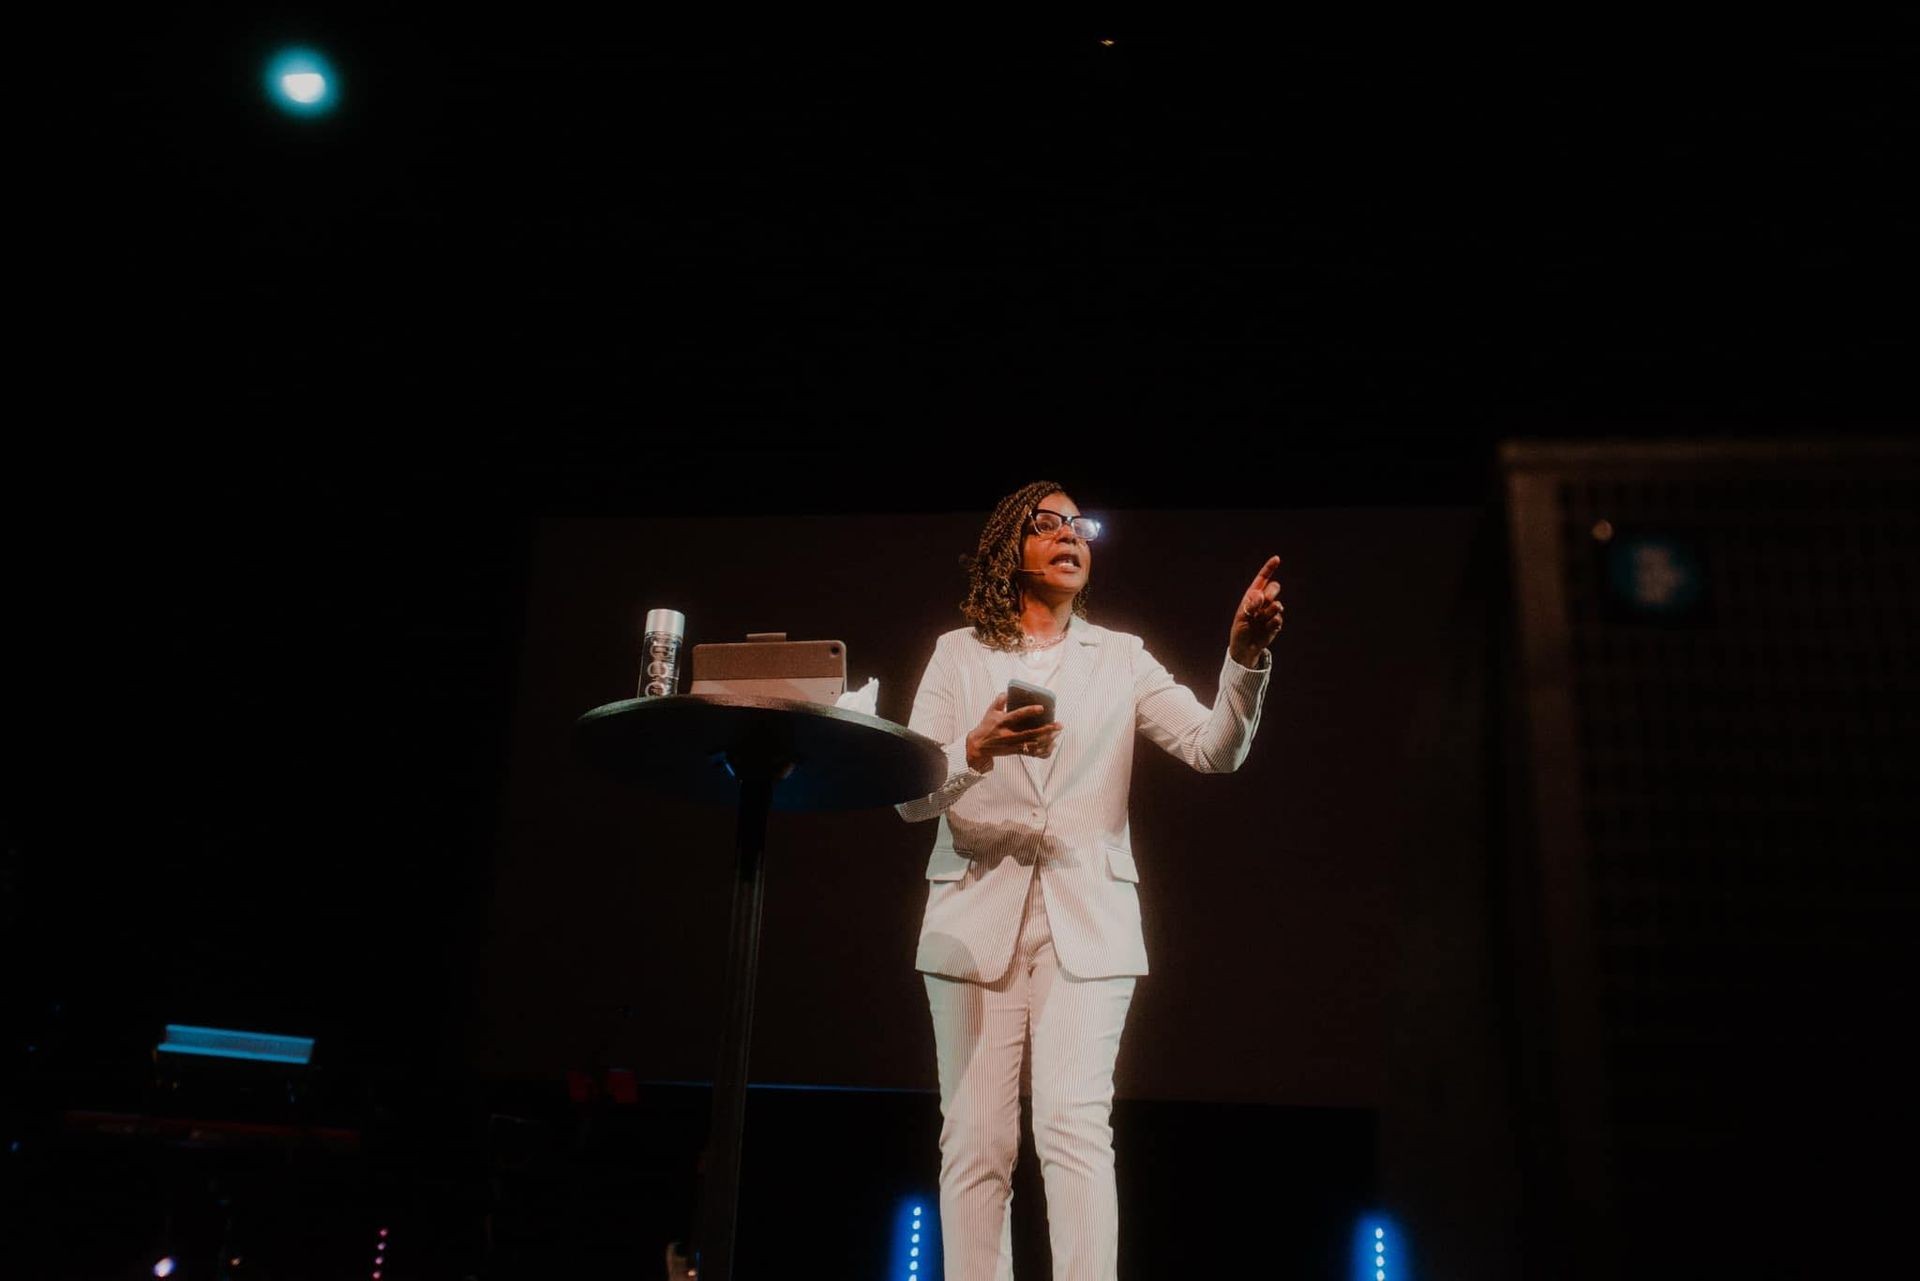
(1057, 564)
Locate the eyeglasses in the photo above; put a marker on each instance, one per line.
(1047, 523)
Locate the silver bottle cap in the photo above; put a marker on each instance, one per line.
(671, 621)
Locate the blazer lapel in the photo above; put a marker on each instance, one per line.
(1076, 666)
(997, 684)
(1036, 774)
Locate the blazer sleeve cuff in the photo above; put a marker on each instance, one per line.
(958, 770)
(960, 777)
(1258, 672)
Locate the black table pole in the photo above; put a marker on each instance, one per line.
(720, 1190)
(757, 755)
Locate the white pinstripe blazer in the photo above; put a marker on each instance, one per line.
(1065, 815)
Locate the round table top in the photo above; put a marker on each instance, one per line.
(681, 743)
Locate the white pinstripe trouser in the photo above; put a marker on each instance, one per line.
(1066, 1033)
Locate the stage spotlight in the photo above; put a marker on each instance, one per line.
(301, 82)
(164, 1268)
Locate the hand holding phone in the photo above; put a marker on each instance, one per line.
(1018, 723)
(1023, 694)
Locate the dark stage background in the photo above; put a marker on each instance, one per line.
(1264, 892)
(345, 452)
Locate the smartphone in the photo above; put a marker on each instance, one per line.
(1022, 694)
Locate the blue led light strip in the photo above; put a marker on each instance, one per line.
(913, 1241)
(1379, 1251)
(220, 1043)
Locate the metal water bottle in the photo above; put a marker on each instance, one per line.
(660, 652)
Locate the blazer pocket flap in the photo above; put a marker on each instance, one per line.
(1120, 864)
(947, 865)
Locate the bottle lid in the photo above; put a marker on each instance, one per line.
(667, 620)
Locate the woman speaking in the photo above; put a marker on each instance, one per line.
(1031, 941)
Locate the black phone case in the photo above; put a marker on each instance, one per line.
(1024, 694)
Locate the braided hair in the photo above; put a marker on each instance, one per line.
(992, 603)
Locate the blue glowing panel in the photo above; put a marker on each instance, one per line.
(301, 82)
(221, 1044)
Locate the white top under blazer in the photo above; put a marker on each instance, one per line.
(1065, 815)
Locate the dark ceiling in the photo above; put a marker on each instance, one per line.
(549, 262)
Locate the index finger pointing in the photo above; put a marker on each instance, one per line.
(1266, 573)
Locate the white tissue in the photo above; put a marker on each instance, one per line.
(865, 699)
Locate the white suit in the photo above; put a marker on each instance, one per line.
(1032, 930)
